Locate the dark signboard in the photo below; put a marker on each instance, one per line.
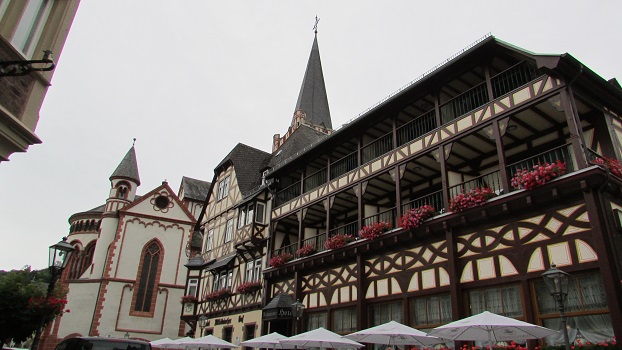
(277, 313)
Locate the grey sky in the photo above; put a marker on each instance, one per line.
(190, 79)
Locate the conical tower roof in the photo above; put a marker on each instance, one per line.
(128, 168)
(312, 98)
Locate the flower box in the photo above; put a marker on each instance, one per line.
(338, 241)
(374, 230)
(306, 250)
(538, 175)
(281, 259)
(219, 294)
(249, 287)
(473, 198)
(413, 218)
(613, 164)
(189, 299)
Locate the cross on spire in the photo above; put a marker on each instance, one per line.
(315, 26)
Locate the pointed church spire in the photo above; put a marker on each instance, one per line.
(128, 168)
(312, 99)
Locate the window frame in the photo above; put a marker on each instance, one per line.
(28, 30)
(228, 234)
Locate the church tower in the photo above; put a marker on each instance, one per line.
(123, 184)
(312, 104)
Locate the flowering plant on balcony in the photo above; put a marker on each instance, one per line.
(281, 259)
(189, 299)
(538, 175)
(219, 294)
(374, 230)
(613, 164)
(471, 199)
(578, 345)
(306, 250)
(249, 287)
(413, 218)
(338, 241)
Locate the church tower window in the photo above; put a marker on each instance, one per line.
(147, 277)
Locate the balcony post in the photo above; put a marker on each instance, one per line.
(574, 128)
(491, 96)
(503, 171)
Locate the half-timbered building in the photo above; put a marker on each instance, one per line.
(476, 121)
(235, 224)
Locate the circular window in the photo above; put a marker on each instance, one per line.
(161, 202)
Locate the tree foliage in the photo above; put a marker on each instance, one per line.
(19, 319)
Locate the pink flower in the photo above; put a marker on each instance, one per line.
(473, 198)
(374, 230)
(338, 241)
(415, 217)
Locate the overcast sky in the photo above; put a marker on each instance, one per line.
(191, 79)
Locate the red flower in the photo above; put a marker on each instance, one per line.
(415, 217)
(374, 230)
(473, 198)
(338, 241)
(281, 259)
(306, 249)
(219, 294)
(249, 287)
(613, 164)
(189, 299)
(539, 175)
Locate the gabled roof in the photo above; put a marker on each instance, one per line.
(128, 168)
(248, 163)
(194, 189)
(312, 98)
(303, 137)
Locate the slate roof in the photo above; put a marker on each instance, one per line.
(312, 98)
(279, 301)
(297, 141)
(195, 189)
(249, 163)
(128, 168)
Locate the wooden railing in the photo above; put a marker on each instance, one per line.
(489, 180)
(350, 228)
(316, 242)
(416, 128)
(434, 199)
(343, 165)
(315, 180)
(291, 249)
(464, 103)
(551, 156)
(513, 78)
(376, 148)
(287, 194)
(387, 216)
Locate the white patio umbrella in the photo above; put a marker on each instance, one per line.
(321, 338)
(208, 342)
(490, 327)
(268, 341)
(176, 344)
(393, 333)
(161, 343)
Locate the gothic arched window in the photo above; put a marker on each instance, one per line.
(144, 293)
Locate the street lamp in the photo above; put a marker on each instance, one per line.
(202, 323)
(58, 260)
(556, 281)
(297, 309)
